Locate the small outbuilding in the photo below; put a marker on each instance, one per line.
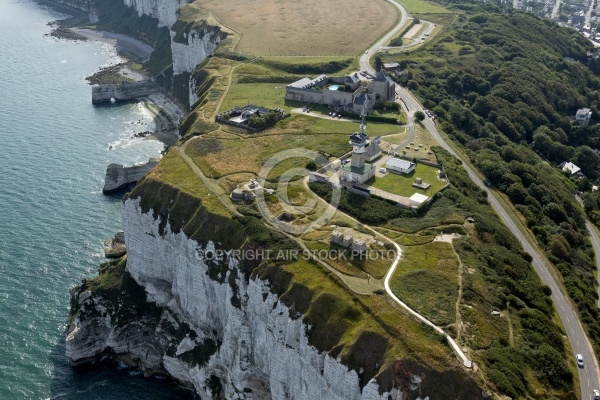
(418, 199)
(400, 166)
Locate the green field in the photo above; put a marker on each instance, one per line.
(269, 95)
(402, 184)
(420, 6)
(427, 280)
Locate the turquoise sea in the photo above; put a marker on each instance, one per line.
(54, 149)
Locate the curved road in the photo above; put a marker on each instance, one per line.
(595, 239)
(588, 376)
(364, 59)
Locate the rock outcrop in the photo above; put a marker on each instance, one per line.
(119, 177)
(122, 91)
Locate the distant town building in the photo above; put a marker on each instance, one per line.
(578, 18)
(583, 116)
(399, 165)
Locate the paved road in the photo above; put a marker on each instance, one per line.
(588, 14)
(555, 10)
(595, 244)
(364, 59)
(415, 41)
(588, 376)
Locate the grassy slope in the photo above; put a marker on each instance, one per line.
(343, 323)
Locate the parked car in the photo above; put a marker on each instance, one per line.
(579, 359)
(382, 170)
(596, 395)
(339, 116)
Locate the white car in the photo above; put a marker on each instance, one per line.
(382, 170)
(579, 359)
(367, 52)
(596, 395)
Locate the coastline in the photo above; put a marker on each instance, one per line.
(119, 40)
(167, 113)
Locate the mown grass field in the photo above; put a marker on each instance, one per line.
(312, 28)
(421, 6)
(268, 95)
(427, 280)
(402, 184)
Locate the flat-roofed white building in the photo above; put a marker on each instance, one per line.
(418, 199)
(399, 165)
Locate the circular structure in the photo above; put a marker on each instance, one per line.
(287, 220)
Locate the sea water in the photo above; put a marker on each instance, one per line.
(54, 149)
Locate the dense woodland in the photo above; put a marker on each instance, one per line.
(506, 86)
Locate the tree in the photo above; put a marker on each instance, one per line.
(378, 63)
(312, 165)
(420, 115)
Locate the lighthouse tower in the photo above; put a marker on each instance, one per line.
(359, 141)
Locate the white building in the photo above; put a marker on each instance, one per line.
(399, 165)
(418, 199)
(583, 116)
(570, 168)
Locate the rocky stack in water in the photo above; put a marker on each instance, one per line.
(119, 177)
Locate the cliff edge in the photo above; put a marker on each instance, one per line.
(248, 328)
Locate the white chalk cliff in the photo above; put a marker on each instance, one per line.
(163, 10)
(261, 347)
(190, 48)
(195, 48)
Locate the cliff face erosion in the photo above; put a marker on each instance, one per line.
(217, 326)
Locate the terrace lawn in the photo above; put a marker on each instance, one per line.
(402, 184)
